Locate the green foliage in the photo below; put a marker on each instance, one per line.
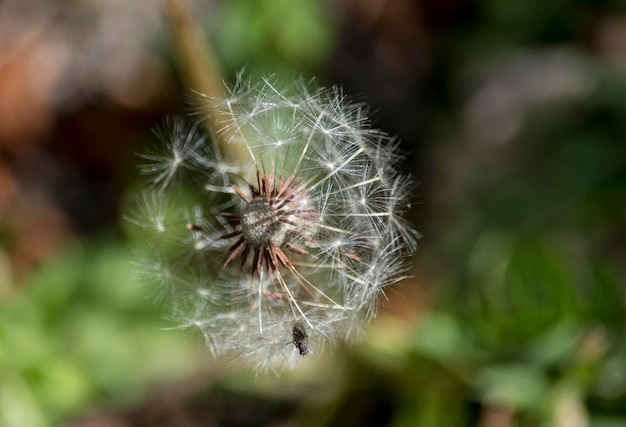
(274, 35)
(83, 331)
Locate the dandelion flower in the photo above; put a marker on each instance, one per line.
(288, 233)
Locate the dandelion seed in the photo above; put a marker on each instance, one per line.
(303, 233)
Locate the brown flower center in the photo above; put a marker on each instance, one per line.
(261, 224)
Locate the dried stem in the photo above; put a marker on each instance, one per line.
(200, 71)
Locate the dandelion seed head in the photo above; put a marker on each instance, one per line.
(292, 243)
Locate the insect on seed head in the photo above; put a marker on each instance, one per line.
(300, 338)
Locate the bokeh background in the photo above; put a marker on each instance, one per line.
(514, 116)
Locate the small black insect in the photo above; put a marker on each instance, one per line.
(300, 338)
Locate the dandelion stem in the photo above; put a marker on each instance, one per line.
(200, 70)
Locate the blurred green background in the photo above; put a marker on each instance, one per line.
(514, 115)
